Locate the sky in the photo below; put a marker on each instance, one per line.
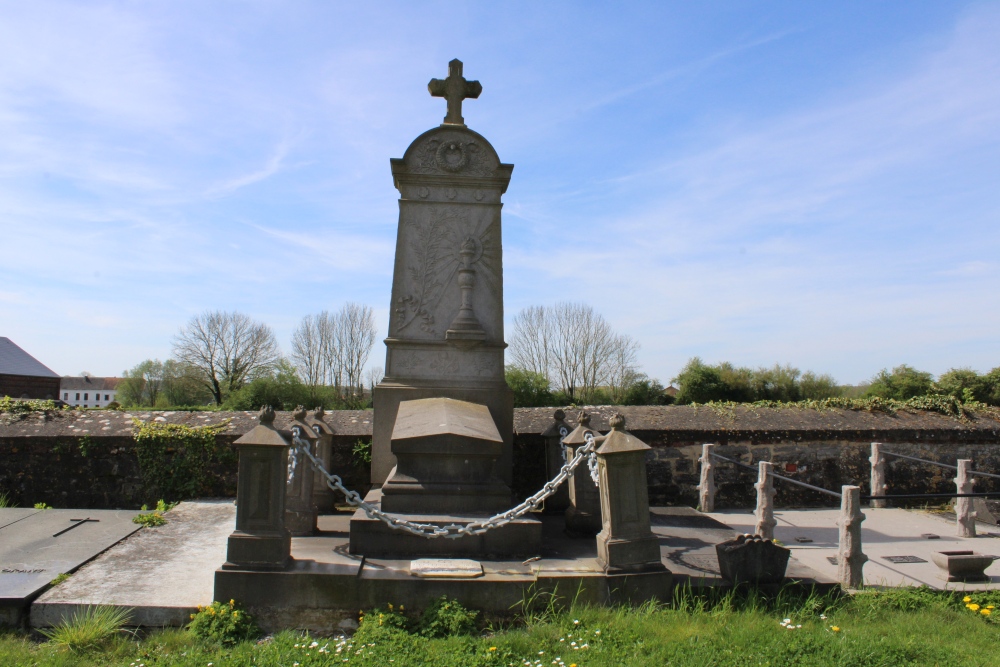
(755, 182)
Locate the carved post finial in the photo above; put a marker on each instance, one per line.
(559, 415)
(584, 418)
(299, 413)
(617, 422)
(319, 413)
(266, 414)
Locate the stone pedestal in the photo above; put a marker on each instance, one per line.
(323, 498)
(300, 513)
(521, 538)
(626, 543)
(446, 453)
(554, 461)
(583, 516)
(260, 541)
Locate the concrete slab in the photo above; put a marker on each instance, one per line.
(37, 547)
(9, 515)
(888, 532)
(162, 573)
(687, 543)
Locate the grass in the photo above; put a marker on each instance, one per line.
(88, 629)
(896, 627)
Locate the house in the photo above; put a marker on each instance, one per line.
(87, 391)
(23, 376)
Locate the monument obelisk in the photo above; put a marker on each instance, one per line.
(444, 415)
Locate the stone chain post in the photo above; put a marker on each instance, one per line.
(964, 515)
(765, 501)
(878, 475)
(850, 559)
(706, 489)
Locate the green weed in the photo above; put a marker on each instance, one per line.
(89, 628)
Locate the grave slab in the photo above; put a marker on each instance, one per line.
(162, 573)
(9, 515)
(38, 547)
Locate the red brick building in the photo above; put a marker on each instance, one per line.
(23, 376)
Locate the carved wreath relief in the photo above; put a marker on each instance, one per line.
(435, 258)
(453, 155)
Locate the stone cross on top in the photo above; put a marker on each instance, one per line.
(454, 89)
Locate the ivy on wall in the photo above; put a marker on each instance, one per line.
(176, 461)
(944, 405)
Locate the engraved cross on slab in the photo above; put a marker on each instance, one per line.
(454, 89)
(79, 522)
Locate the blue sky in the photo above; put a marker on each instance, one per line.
(746, 181)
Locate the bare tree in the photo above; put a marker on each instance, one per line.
(575, 348)
(228, 349)
(622, 367)
(308, 347)
(356, 328)
(374, 376)
(530, 340)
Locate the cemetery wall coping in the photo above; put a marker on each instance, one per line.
(666, 424)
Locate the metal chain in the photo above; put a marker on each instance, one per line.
(454, 530)
(563, 432)
(592, 460)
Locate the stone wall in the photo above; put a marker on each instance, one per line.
(86, 458)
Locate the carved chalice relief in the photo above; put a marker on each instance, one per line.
(445, 253)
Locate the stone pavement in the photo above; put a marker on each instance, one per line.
(162, 573)
(885, 532)
(165, 573)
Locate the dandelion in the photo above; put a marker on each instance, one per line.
(984, 612)
(835, 628)
(966, 599)
(973, 606)
(493, 648)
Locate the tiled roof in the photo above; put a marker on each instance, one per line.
(70, 382)
(15, 361)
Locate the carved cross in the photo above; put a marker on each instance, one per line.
(454, 89)
(79, 522)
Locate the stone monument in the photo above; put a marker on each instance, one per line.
(444, 416)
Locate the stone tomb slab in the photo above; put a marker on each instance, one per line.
(38, 547)
(162, 573)
(10, 515)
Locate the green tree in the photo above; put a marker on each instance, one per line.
(282, 389)
(813, 386)
(646, 391)
(531, 389)
(902, 383)
(141, 385)
(701, 383)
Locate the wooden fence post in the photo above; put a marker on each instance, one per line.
(878, 475)
(706, 489)
(765, 501)
(850, 559)
(965, 517)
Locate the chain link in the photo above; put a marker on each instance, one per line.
(454, 530)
